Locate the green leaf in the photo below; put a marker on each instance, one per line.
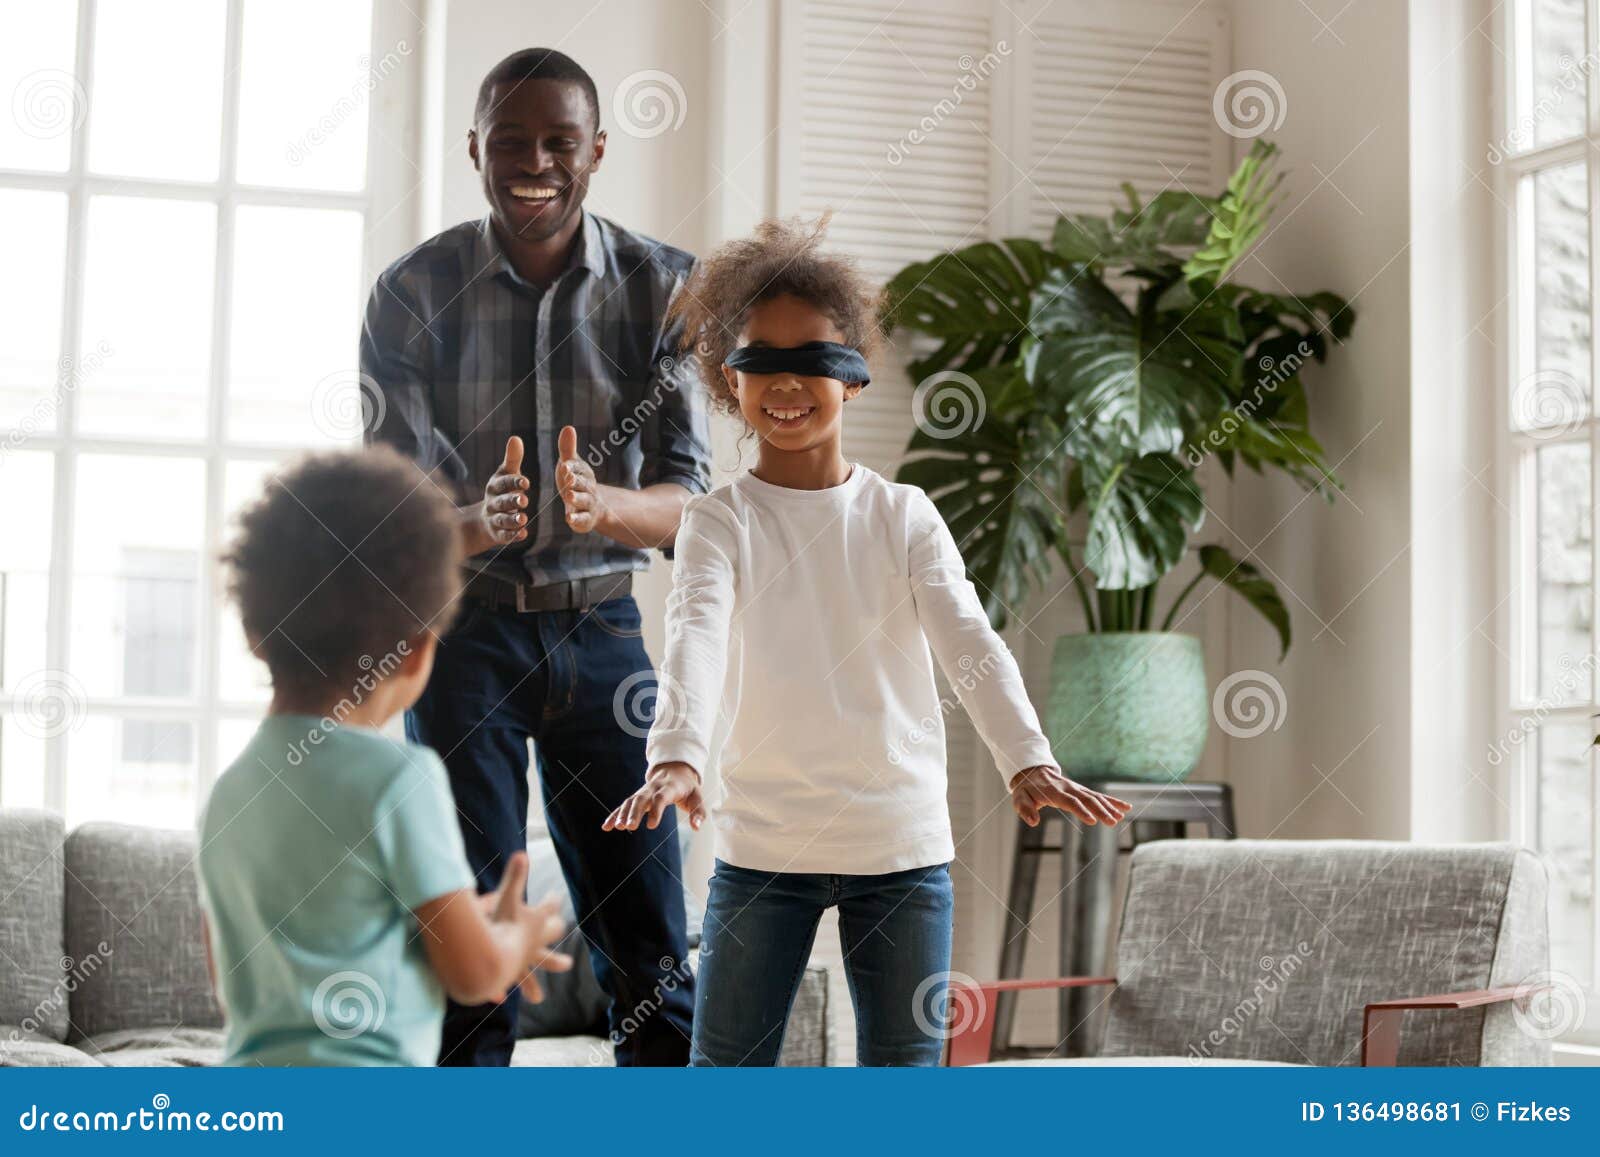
(1141, 237)
(1270, 426)
(1123, 385)
(974, 300)
(1140, 517)
(998, 488)
(1259, 592)
(1239, 216)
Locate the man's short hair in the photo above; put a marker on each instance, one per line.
(345, 557)
(537, 64)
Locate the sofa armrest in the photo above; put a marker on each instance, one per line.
(972, 1018)
(1380, 1025)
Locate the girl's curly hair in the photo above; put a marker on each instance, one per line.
(782, 258)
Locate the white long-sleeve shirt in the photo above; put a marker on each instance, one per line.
(804, 620)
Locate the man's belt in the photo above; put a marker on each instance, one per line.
(573, 595)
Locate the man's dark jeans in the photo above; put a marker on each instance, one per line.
(573, 682)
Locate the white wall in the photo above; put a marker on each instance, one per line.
(1339, 765)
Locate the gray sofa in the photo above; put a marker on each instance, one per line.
(102, 961)
(1320, 952)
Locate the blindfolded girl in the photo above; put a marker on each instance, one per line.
(811, 598)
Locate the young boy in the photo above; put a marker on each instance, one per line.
(339, 905)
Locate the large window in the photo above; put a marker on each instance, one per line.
(1548, 158)
(185, 208)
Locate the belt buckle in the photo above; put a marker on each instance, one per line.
(580, 594)
(522, 598)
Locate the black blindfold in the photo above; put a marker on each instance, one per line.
(815, 359)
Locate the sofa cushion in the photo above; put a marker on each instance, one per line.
(132, 898)
(157, 1047)
(1271, 949)
(33, 974)
(20, 1048)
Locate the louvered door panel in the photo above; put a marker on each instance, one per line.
(865, 77)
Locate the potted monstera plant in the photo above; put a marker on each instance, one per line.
(1069, 394)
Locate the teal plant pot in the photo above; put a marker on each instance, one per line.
(1128, 705)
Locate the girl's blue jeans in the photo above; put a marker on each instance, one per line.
(894, 930)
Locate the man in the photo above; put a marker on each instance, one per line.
(499, 346)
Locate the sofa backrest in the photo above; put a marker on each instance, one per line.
(133, 905)
(1270, 949)
(33, 975)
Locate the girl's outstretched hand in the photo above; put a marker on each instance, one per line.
(1036, 788)
(666, 784)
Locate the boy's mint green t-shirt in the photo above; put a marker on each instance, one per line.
(315, 848)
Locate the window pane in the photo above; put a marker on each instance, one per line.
(242, 677)
(1566, 816)
(150, 783)
(157, 88)
(27, 482)
(1552, 98)
(138, 526)
(296, 326)
(232, 735)
(33, 236)
(148, 299)
(303, 99)
(21, 765)
(1565, 573)
(1556, 395)
(36, 60)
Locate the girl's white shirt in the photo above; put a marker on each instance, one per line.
(803, 625)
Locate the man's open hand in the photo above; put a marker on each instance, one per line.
(666, 785)
(579, 489)
(502, 515)
(1036, 788)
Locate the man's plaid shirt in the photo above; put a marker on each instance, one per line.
(464, 353)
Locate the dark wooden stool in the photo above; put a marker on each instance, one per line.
(1088, 880)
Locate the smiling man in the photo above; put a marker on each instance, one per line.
(499, 347)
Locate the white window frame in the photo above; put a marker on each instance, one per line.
(389, 227)
(1516, 451)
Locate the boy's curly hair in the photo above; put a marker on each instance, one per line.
(782, 258)
(344, 556)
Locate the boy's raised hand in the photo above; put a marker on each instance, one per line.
(666, 784)
(540, 925)
(1036, 788)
